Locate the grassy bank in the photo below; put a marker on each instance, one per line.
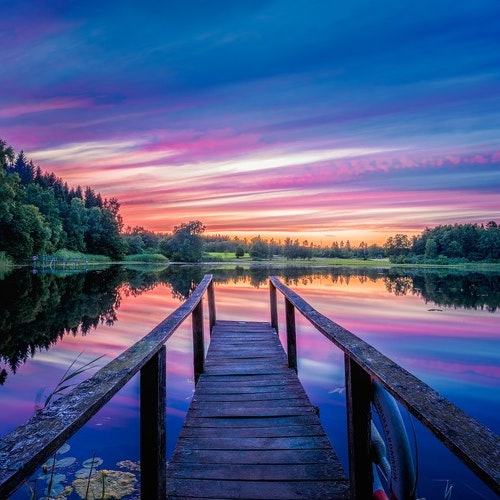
(246, 261)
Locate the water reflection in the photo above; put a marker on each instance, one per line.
(39, 309)
(441, 326)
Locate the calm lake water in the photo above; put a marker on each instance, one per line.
(441, 326)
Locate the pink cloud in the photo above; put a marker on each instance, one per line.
(41, 106)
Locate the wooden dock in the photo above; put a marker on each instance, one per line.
(251, 431)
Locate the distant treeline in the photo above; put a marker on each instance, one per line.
(41, 215)
(449, 244)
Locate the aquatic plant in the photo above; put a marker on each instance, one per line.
(106, 484)
(53, 479)
(63, 384)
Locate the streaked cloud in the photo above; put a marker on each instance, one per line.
(335, 121)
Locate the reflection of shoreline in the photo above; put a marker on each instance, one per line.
(40, 309)
(470, 290)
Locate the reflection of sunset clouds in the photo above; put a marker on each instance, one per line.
(443, 347)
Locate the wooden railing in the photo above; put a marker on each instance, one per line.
(28, 446)
(470, 441)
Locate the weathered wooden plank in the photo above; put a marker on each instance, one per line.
(254, 443)
(272, 472)
(248, 344)
(222, 357)
(256, 386)
(288, 490)
(245, 392)
(253, 412)
(313, 429)
(27, 447)
(280, 377)
(249, 422)
(248, 395)
(238, 406)
(251, 431)
(227, 323)
(243, 353)
(256, 457)
(476, 445)
(231, 368)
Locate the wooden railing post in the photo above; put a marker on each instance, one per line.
(291, 336)
(153, 427)
(198, 344)
(21, 455)
(211, 306)
(274, 306)
(358, 401)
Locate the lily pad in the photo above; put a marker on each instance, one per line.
(85, 473)
(47, 466)
(53, 463)
(56, 478)
(64, 448)
(65, 462)
(129, 464)
(55, 490)
(93, 462)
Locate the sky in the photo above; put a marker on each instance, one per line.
(325, 120)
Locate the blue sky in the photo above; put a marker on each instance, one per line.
(329, 120)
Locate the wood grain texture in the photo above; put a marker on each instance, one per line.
(251, 431)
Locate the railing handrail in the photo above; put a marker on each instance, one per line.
(27, 447)
(476, 445)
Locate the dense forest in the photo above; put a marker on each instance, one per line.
(41, 215)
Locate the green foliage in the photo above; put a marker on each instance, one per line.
(239, 252)
(397, 246)
(6, 264)
(448, 244)
(65, 254)
(75, 224)
(134, 244)
(6, 153)
(186, 243)
(294, 250)
(259, 249)
(40, 214)
(4, 259)
(146, 257)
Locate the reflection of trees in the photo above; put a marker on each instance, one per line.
(182, 279)
(470, 290)
(398, 285)
(38, 310)
(444, 288)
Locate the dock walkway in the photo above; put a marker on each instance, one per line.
(251, 431)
